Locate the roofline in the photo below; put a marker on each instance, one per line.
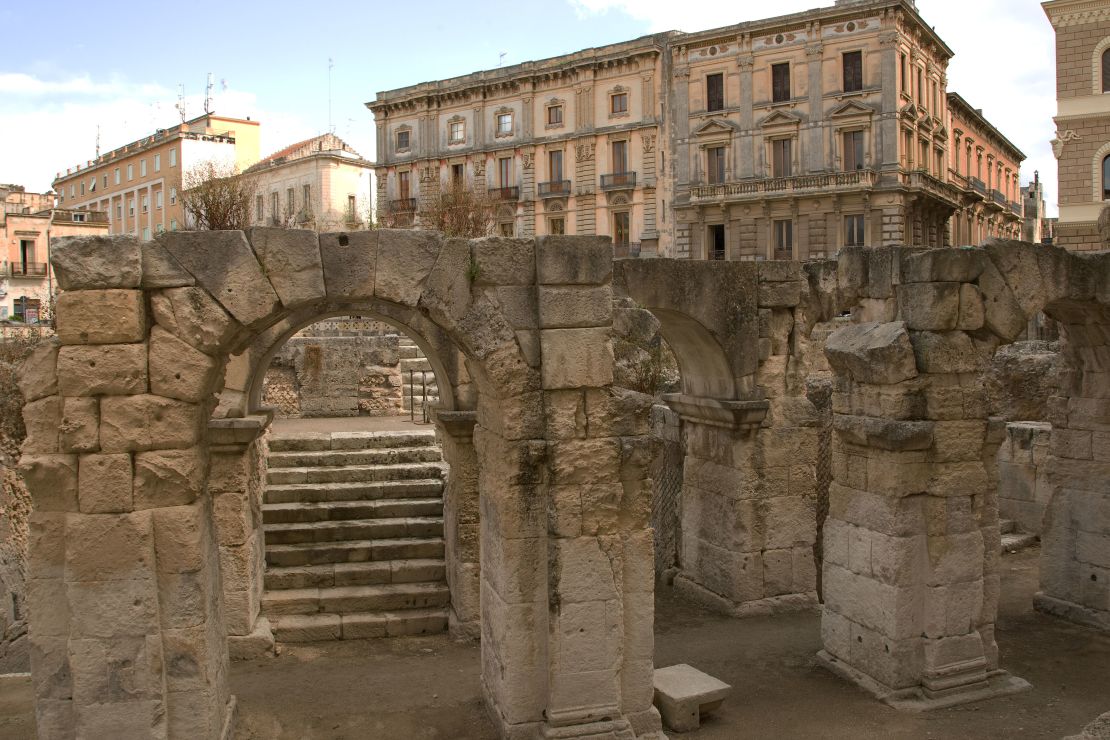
(977, 117)
(267, 165)
(223, 118)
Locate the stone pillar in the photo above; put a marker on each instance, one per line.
(125, 620)
(236, 483)
(460, 520)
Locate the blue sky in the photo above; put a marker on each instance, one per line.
(112, 64)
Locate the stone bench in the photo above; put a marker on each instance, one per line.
(683, 694)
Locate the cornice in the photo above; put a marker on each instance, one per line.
(1065, 13)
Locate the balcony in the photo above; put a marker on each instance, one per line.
(618, 181)
(1018, 208)
(998, 197)
(506, 193)
(25, 269)
(996, 200)
(978, 186)
(555, 189)
(403, 205)
(755, 189)
(938, 188)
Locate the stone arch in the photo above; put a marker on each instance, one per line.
(128, 552)
(1098, 183)
(1098, 84)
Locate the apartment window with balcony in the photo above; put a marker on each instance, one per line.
(853, 151)
(157, 162)
(557, 226)
(117, 176)
(259, 209)
(456, 132)
(620, 157)
(784, 239)
(782, 161)
(403, 185)
(142, 168)
(505, 172)
(403, 140)
(853, 230)
(555, 165)
(504, 124)
(554, 115)
(622, 230)
(780, 82)
(173, 157)
(715, 92)
(853, 71)
(618, 103)
(715, 169)
(130, 172)
(716, 246)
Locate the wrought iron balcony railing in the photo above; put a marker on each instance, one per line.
(554, 188)
(25, 269)
(978, 185)
(506, 193)
(618, 180)
(998, 197)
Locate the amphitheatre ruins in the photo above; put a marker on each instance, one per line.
(842, 438)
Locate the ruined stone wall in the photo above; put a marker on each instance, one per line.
(1023, 487)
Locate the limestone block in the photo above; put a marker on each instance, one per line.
(161, 270)
(584, 571)
(576, 358)
(1002, 314)
(47, 605)
(518, 305)
(349, 261)
(101, 317)
(37, 375)
(96, 262)
(972, 312)
(880, 271)
(885, 434)
(947, 352)
(1035, 275)
(929, 306)
(585, 693)
(184, 599)
(146, 422)
(109, 547)
(782, 295)
(683, 694)
(177, 370)
(47, 544)
(405, 258)
(585, 460)
(102, 369)
(42, 419)
(447, 290)
(573, 260)
(502, 261)
(168, 477)
(223, 264)
(55, 717)
(951, 265)
(587, 636)
(194, 315)
(104, 484)
(562, 307)
(291, 260)
(181, 544)
(116, 671)
(613, 412)
(231, 513)
(51, 480)
(50, 671)
(80, 426)
(872, 353)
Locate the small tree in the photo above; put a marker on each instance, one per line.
(460, 211)
(216, 196)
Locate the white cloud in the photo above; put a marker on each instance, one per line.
(1004, 59)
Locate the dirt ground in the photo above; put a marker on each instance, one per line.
(427, 687)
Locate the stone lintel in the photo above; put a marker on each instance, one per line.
(719, 412)
(885, 434)
(458, 424)
(230, 435)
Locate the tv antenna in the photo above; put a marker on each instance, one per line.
(208, 95)
(501, 57)
(331, 127)
(98, 141)
(181, 101)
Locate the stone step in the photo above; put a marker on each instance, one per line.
(1006, 526)
(351, 599)
(357, 551)
(416, 364)
(1015, 541)
(431, 388)
(315, 627)
(354, 529)
(408, 351)
(317, 441)
(331, 511)
(356, 574)
(336, 458)
(313, 493)
(432, 401)
(355, 473)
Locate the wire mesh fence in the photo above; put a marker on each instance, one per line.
(666, 503)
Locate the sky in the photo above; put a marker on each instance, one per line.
(116, 74)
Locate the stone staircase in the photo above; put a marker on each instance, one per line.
(412, 359)
(354, 536)
(1014, 540)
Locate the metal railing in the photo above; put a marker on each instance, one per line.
(25, 269)
(423, 396)
(554, 188)
(403, 205)
(618, 180)
(505, 193)
(1017, 207)
(756, 188)
(977, 185)
(923, 180)
(626, 249)
(998, 197)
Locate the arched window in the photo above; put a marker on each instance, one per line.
(1106, 71)
(1106, 177)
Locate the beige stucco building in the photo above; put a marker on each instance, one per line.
(320, 183)
(1082, 142)
(788, 137)
(138, 184)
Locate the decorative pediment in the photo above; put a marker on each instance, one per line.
(852, 109)
(910, 111)
(716, 126)
(780, 118)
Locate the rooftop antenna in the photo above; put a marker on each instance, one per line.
(208, 95)
(501, 57)
(331, 127)
(98, 141)
(181, 101)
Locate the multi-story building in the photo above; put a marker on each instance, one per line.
(1082, 142)
(139, 185)
(984, 165)
(786, 137)
(321, 183)
(27, 224)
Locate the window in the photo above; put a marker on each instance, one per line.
(853, 71)
(456, 132)
(289, 202)
(853, 151)
(119, 210)
(157, 162)
(274, 206)
(853, 231)
(457, 174)
(173, 196)
(146, 234)
(555, 165)
(618, 103)
(146, 204)
(715, 92)
(259, 209)
(142, 168)
(506, 228)
(918, 95)
(131, 207)
(556, 226)
(105, 181)
(159, 228)
(1106, 71)
(504, 124)
(903, 73)
(620, 157)
(173, 224)
(784, 240)
(715, 169)
(782, 164)
(306, 197)
(505, 172)
(554, 115)
(716, 249)
(352, 207)
(780, 82)
(403, 185)
(79, 217)
(117, 175)
(173, 157)
(402, 140)
(621, 229)
(72, 191)
(130, 172)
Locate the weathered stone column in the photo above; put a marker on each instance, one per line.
(461, 520)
